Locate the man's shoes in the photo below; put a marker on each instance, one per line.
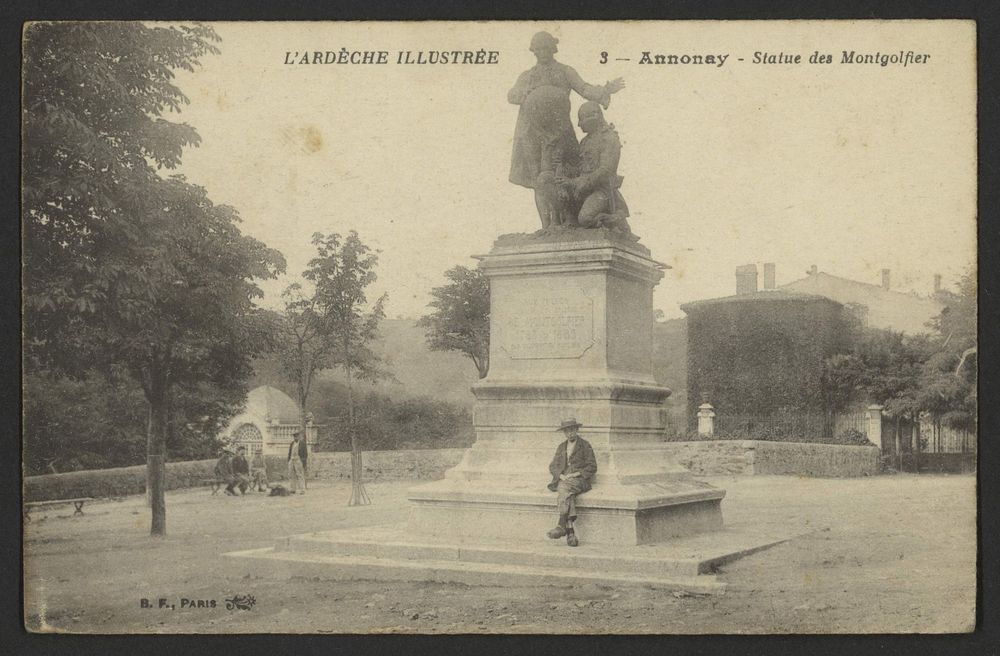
(556, 533)
(572, 541)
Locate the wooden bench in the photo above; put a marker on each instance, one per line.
(78, 503)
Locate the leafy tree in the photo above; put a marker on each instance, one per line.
(123, 267)
(948, 379)
(101, 420)
(342, 270)
(461, 318)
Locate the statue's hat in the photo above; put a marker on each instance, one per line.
(543, 40)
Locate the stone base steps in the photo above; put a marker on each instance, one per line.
(482, 574)
(386, 553)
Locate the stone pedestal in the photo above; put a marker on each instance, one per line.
(571, 336)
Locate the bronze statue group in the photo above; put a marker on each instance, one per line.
(576, 184)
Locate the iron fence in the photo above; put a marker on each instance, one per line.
(830, 427)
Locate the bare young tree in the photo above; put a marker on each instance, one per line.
(342, 270)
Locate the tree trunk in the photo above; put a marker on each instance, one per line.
(305, 433)
(149, 430)
(359, 497)
(899, 444)
(916, 444)
(156, 455)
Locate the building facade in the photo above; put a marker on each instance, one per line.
(267, 423)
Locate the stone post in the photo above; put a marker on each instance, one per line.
(706, 420)
(875, 424)
(310, 435)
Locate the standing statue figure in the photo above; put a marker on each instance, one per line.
(590, 197)
(544, 137)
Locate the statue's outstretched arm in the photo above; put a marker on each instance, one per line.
(601, 94)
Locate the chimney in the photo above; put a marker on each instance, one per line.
(746, 279)
(813, 270)
(937, 282)
(885, 279)
(769, 275)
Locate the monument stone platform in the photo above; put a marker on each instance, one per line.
(571, 326)
(390, 553)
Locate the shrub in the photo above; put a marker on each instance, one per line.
(386, 425)
(118, 482)
(853, 436)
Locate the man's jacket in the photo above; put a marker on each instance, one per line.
(303, 450)
(224, 467)
(240, 465)
(581, 460)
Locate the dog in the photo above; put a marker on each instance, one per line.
(279, 491)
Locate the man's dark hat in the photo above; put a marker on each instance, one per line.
(569, 423)
(297, 433)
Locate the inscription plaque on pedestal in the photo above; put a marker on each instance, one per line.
(554, 327)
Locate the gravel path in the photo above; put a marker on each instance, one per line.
(884, 554)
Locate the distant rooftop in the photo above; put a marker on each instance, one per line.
(770, 295)
(822, 275)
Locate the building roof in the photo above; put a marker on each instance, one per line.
(830, 279)
(272, 404)
(770, 295)
(902, 311)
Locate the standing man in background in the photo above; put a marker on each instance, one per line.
(298, 455)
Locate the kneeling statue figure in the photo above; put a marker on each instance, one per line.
(589, 197)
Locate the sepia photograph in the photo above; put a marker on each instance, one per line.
(520, 327)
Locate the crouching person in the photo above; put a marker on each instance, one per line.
(572, 468)
(241, 471)
(224, 470)
(258, 473)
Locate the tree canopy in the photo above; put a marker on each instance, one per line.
(461, 317)
(125, 267)
(911, 374)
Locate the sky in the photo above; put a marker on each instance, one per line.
(849, 167)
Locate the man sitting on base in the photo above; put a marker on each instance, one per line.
(572, 468)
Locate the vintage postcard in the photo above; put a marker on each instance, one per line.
(634, 327)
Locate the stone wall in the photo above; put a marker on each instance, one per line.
(427, 464)
(123, 481)
(749, 457)
(703, 458)
(713, 458)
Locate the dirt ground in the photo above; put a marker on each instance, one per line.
(884, 554)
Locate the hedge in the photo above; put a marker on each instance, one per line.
(117, 482)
